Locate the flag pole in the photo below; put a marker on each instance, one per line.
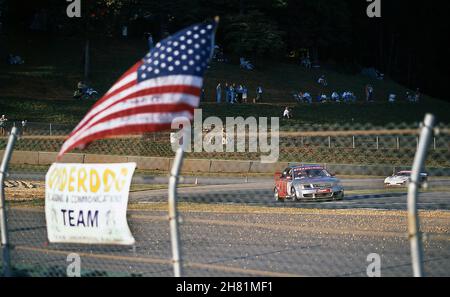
(173, 213)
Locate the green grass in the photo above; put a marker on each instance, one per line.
(41, 89)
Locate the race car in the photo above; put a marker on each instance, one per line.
(307, 182)
(402, 178)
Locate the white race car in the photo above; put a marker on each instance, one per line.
(402, 178)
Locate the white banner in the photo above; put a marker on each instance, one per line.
(87, 203)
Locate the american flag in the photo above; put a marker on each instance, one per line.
(164, 85)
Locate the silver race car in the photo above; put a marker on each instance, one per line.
(307, 182)
(402, 178)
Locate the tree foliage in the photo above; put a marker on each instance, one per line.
(252, 34)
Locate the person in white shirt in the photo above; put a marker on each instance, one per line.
(335, 96)
(287, 113)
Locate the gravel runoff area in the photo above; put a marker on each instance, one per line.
(239, 240)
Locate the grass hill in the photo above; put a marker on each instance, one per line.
(42, 88)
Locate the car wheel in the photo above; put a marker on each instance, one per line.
(277, 196)
(294, 194)
(340, 196)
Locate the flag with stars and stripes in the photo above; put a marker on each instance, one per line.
(166, 84)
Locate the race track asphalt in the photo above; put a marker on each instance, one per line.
(260, 192)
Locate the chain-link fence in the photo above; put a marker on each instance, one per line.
(241, 217)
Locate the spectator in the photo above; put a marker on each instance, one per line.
(81, 86)
(369, 93)
(233, 93)
(239, 92)
(322, 98)
(259, 93)
(287, 113)
(227, 93)
(307, 97)
(218, 93)
(322, 81)
(417, 96)
(149, 41)
(244, 94)
(409, 96)
(202, 98)
(392, 98)
(15, 60)
(3, 121)
(306, 62)
(230, 98)
(24, 123)
(335, 96)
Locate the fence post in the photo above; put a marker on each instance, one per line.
(50, 129)
(398, 143)
(3, 221)
(415, 237)
(353, 141)
(378, 143)
(173, 213)
(329, 141)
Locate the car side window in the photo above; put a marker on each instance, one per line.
(289, 173)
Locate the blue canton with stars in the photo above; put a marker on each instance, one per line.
(186, 52)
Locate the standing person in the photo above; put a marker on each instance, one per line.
(239, 92)
(150, 41)
(202, 98)
(417, 96)
(369, 93)
(3, 121)
(218, 93)
(259, 92)
(24, 123)
(287, 113)
(227, 93)
(244, 94)
(233, 93)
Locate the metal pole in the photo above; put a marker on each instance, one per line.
(3, 221)
(329, 141)
(173, 214)
(50, 129)
(353, 140)
(378, 143)
(398, 143)
(415, 237)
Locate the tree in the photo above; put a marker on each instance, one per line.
(252, 34)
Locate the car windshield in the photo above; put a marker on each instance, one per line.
(309, 173)
(403, 174)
